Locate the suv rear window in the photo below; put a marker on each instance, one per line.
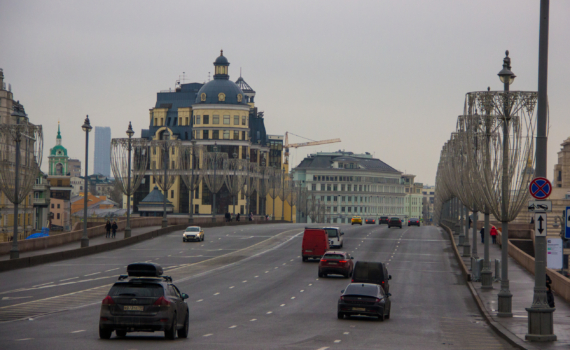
(394, 219)
(332, 232)
(366, 271)
(137, 290)
(359, 289)
(333, 256)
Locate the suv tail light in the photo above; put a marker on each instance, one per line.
(162, 301)
(323, 260)
(342, 261)
(108, 301)
(378, 300)
(342, 298)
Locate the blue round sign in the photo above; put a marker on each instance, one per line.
(540, 188)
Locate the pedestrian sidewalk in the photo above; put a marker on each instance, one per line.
(521, 287)
(74, 245)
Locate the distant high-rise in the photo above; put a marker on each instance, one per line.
(102, 163)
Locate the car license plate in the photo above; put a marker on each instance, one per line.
(133, 308)
(308, 251)
(331, 263)
(358, 309)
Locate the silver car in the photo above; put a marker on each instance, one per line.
(193, 233)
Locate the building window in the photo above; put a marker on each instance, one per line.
(243, 135)
(216, 134)
(205, 133)
(197, 119)
(226, 120)
(342, 209)
(57, 216)
(206, 119)
(328, 187)
(226, 134)
(241, 209)
(349, 209)
(216, 119)
(236, 135)
(171, 194)
(243, 120)
(313, 187)
(328, 198)
(236, 119)
(335, 187)
(335, 198)
(196, 209)
(57, 206)
(52, 206)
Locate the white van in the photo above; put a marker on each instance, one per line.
(335, 237)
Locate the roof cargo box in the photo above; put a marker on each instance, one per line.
(144, 270)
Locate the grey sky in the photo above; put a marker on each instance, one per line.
(387, 77)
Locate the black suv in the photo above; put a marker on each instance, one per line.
(146, 302)
(371, 272)
(395, 222)
(383, 220)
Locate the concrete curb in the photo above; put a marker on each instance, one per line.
(7, 265)
(502, 331)
(464, 268)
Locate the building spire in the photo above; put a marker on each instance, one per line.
(58, 138)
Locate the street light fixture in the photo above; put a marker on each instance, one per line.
(130, 134)
(87, 128)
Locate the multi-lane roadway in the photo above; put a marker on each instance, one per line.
(249, 289)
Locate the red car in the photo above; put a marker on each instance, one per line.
(315, 243)
(370, 221)
(335, 262)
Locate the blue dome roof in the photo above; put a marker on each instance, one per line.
(221, 61)
(213, 89)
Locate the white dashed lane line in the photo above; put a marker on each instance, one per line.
(207, 335)
(269, 312)
(198, 301)
(24, 339)
(282, 305)
(67, 279)
(112, 269)
(253, 320)
(232, 287)
(346, 332)
(292, 297)
(43, 284)
(234, 326)
(337, 341)
(218, 293)
(91, 274)
(79, 331)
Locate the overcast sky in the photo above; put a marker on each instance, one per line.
(387, 77)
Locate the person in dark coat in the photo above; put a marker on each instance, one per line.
(482, 235)
(108, 228)
(114, 227)
(250, 216)
(237, 217)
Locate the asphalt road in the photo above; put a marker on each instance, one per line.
(249, 289)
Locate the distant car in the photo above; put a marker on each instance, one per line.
(372, 272)
(336, 262)
(414, 222)
(193, 233)
(315, 243)
(395, 222)
(370, 221)
(364, 299)
(335, 237)
(383, 220)
(356, 220)
(146, 302)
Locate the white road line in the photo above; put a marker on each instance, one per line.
(253, 319)
(24, 339)
(266, 271)
(79, 331)
(218, 293)
(346, 332)
(269, 312)
(276, 267)
(292, 297)
(67, 279)
(292, 259)
(302, 290)
(91, 274)
(198, 301)
(244, 281)
(234, 326)
(282, 305)
(112, 269)
(337, 341)
(256, 276)
(232, 287)
(43, 284)
(310, 284)
(323, 348)
(207, 335)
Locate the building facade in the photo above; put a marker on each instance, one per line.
(59, 180)
(74, 167)
(428, 202)
(102, 158)
(220, 113)
(41, 202)
(414, 197)
(351, 184)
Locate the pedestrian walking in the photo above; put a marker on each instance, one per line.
(114, 227)
(108, 228)
(482, 235)
(237, 217)
(470, 222)
(494, 234)
(250, 216)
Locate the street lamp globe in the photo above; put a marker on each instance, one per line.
(130, 131)
(86, 125)
(235, 155)
(506, 75)
(215, 148)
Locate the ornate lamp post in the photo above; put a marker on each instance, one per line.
(214, 176)
(130, 134)
(160, 171)
(87, 128)
(189, 162)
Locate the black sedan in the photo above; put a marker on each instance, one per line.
(364, 299)
(414, 222)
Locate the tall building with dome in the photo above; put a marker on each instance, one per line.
(58, 159)
(220, 112)
(59, 179)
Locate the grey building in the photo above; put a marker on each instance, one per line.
(74, 167)
(352, 184)
(102, 160)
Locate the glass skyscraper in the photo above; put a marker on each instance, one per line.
(102, 162)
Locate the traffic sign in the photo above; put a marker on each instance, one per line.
(567, 231)
(540, 224)
(540, 188)
(539, 206)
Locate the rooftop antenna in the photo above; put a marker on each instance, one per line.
(240, 72)
(208, 76)
(183, 77)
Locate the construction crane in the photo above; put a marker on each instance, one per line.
(288, 145)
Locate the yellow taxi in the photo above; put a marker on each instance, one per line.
(356, 220)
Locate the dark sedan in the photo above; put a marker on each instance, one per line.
(414, 222)
(364, 299)
(383, 220)
(370, 221)
(395, 222)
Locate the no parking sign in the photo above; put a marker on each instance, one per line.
(540, 188)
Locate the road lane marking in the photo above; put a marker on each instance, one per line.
(310, 284)
(91, 274)
(232, 287)
(207, 335)
(79, 331)
(276, 267)
(244, 281)
(269, 312)
(255, 276)
(323, 348)
(43, 284)
(14, 298)
(253, 319)
(292, 297)
(292, 259)
(198, 301)
(24, 339)
(282, 305)
(302, 290)
(266, 271)
(112, 269)
(218, 293)
(234, 326)
(337, 341)
(346, 332)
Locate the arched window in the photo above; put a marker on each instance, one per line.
(59, 169)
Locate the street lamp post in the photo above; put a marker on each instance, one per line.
(248, 184)
(130, 134)
(505, 297)
(166, 136)
(273, 190)
(283, 197)
(235, 155)
(540, 314)
(191, 216)
(215, 149)
(87, 128)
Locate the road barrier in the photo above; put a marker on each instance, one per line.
(13, 264)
